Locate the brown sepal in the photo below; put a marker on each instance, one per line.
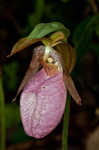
(68, 55)
(71, 88)
(32, 69)
(22, 44)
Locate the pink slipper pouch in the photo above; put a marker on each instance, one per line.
(42, 103)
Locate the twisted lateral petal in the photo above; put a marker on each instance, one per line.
(42, 103)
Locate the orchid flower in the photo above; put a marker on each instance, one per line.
(46, 82)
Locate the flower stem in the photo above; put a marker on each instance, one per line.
(66, 125)
(2, 113)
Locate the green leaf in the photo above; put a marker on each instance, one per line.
(44, 29)
(83, 35)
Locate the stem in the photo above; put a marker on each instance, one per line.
(66, 125)
(2, 113)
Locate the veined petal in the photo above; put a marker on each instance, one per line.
(48, 97)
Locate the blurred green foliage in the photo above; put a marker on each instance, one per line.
(12, 115)
(11, 75)
(97, 29)
(83, 35)
(65, 1)
(20, 136)
(35, 18)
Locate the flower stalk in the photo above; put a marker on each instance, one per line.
(66, 125)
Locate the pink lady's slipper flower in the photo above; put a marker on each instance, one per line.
(47, 79)
(43, 100)
(42, 103)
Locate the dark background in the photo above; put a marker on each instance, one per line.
(17, 19)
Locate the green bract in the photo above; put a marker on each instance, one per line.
(39, 33)
(44, 29)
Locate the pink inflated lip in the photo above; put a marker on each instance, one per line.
(42, 103)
